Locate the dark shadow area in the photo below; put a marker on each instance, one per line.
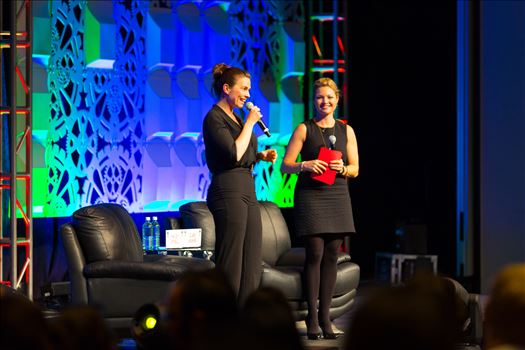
(402, 100)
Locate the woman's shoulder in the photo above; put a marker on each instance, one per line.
(299, 132)
(301, 128)
(308, 124)
(214, 111)
(214, 114)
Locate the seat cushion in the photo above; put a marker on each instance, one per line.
(107, 232)
(275, 234)
(286, 279)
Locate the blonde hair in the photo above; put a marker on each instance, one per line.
(321, 82)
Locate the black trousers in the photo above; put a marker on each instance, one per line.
(231, 200)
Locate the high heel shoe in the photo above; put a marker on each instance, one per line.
(311, 335)
(328, 332)
(330, 335)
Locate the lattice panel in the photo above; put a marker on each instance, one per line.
(94, 148)
(255, 37)
(256, 41)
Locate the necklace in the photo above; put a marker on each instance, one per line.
(322, 132)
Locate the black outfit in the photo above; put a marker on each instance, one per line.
(321, 208)
(232, 201)
(323, 215)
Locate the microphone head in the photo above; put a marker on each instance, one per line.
(249, 105)
(332, 140)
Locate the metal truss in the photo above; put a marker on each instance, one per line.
(16, 224)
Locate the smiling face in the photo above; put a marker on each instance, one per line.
(325, 101)
(239, 92)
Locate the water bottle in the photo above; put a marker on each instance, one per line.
(147, 229)
(400, 240)
(156, 234)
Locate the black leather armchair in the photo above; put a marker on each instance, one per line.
(282, 264)
(107, 268)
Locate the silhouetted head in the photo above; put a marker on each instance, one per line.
(22, 324)
(268, 321)
(408, 317)
(82, 328)
(505, 310)
(202, 310)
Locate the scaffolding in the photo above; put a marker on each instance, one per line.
(16, 224)
(326, 37)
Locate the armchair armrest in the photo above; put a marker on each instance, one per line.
(165, 268)
(343, 257)
(76, 263)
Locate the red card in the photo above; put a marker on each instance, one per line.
(325, 154)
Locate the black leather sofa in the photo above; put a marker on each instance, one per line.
(282, 264)
(107, 268)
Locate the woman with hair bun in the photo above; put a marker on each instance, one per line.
(231, 152)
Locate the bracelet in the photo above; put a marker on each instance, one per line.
(302, 167)
(344, 171)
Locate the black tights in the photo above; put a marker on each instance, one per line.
(320, 272)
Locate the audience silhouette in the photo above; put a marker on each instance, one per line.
(504, 326)
(202, 312)
(82, 328)
(422, 314)
(268, 323)
(22, 324)
(427, 312)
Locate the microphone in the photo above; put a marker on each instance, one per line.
(332, 140)
(263, 126)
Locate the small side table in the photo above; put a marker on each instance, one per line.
(397, 268)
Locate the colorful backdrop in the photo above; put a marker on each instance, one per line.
(120, 90)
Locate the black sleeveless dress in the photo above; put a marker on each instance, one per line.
(318, 207)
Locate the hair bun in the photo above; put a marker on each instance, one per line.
(219, 68)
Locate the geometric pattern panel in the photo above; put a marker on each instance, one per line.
(255, 39)
(94, 148)
(96, 145)
(256, 27)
